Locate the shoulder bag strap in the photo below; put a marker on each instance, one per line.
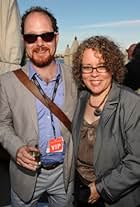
(47, 102)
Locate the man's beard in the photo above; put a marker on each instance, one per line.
(43, 60)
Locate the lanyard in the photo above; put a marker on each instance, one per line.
(45, 96)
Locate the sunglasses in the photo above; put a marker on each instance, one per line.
(31, 38)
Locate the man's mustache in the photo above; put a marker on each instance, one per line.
(40, 49)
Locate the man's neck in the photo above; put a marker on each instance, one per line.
(47, 73)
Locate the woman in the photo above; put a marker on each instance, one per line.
(106, 128)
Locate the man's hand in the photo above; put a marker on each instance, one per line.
(94, 195)
(25, 159)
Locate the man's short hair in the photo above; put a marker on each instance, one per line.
(44, 11)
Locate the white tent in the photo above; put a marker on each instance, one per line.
(11, 45)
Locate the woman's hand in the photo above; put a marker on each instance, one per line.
(94, 195)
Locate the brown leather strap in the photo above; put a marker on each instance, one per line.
(47, 102)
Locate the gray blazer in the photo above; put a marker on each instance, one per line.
(18, 124)
(117, 148)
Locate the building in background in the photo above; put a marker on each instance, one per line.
(67, 55)
(69, 51)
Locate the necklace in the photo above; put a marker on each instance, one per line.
(98, 111)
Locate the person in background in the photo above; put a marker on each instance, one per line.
(130, 51)
(24, 119)
(106, 128)
(132, 78)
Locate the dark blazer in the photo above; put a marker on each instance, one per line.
(18, 124)
(117, 147)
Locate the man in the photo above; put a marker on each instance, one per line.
(24, 119)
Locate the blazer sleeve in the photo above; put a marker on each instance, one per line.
(124, 178)
(8, 138)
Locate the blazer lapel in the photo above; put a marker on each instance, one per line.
(78, 118)
(109, 109)
(31, 102)
(111, 104)
(69, 100)
(33, 114)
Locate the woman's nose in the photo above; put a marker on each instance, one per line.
(94, 72)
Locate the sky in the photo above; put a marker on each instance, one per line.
(118, 20)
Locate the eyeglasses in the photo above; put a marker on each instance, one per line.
(89, 69)
(31, 38)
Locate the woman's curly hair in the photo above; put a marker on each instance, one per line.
(111, 53)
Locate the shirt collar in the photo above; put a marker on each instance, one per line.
(32, 71)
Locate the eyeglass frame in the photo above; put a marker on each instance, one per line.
(42, 35)
(94, 68)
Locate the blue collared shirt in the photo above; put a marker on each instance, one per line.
(44, 116)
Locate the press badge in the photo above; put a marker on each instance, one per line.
(55, 145)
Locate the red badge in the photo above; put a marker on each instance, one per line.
(55, 145)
